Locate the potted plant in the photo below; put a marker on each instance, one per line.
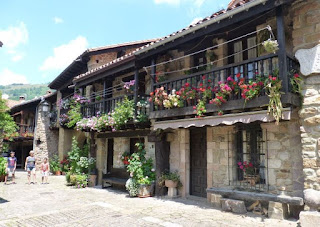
(249, 171)
(132, 187)
(172, 181)
(142, 172)
(55, 165)
(3, 163)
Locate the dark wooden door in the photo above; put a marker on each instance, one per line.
(110, 155)
(198, 162)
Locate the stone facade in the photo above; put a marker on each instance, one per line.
(65, 140)
(306, 34)
(45, 143)
(101, 59)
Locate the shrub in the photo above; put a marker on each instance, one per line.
(3, 163)
(132, 187)
(54, 164)
(68, 176)
(79, 180)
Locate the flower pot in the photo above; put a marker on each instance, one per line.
(170, 184)
(252, 179)
(2, 178)
(92, 180)
(145, 190)
(58, 173)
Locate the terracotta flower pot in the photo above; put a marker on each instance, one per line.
(146, 190)
(170, 184)
(58, 173)
(2, 178)
(92, 180)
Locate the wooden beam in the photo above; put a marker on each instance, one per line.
(153, 72)
(244, 195)
(133, 133)
(283, 70)
(136, 90)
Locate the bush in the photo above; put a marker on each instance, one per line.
(132, 187)
(79, 180)
(54, 164)
(68, 175)
(3, 163)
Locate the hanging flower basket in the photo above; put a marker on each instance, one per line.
(271, 46)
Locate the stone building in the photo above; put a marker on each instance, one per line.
(208, 152)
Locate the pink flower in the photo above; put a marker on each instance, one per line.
(241, 167)
(239, 163)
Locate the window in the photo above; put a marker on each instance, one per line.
(249, 166)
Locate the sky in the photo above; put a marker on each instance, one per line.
(42, 37)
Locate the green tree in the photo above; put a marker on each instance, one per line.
(7, 124)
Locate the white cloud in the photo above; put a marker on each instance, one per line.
(57, 20)
(195, 20)
(9, 77)
(17, 57)
(170, 2)
(14, 36)
(63, 55)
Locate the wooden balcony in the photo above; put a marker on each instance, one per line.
(249, 70)
(25, 131)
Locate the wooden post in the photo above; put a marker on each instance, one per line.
(92, 145)
(283, 72)
(104, 95)
(136, 90)
(153, 72)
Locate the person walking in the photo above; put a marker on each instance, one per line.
(11, 167)
(45, 168)
(30, 166)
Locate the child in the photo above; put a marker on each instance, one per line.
(10, 167)
(45, 168)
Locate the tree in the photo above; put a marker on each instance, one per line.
(7, 124)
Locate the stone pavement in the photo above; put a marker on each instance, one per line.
(56, 204)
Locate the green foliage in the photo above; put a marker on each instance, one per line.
(74, 114)
(79, 180)
(3, 164)
(30, 91)
(7, 124)
(78, 159)
(174, 176)
(54, 164)
(132, 187)
(140, 168)
(123, 112)
(68, 175)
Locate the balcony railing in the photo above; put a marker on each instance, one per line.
(248, 70)
(26, 131)
(108, 105)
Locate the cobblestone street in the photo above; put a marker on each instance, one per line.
(56, 204)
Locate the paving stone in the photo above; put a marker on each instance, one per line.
(309, 218)
(33, 205)
(235, 206)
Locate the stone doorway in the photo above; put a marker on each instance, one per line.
(198, 162)
(110, 155)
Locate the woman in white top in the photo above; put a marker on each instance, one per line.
(30, 166)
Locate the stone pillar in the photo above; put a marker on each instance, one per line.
(184, 170)
(101, 158)
(306, 39)
(45, 140)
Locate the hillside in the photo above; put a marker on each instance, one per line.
(28, 90)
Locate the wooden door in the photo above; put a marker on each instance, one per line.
(198, 162)
(110, 155)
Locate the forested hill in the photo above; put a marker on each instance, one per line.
(28, 90)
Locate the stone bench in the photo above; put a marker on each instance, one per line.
(278, 204)
(116, 178)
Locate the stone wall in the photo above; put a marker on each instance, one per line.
(121, 145)
(180, 157)
(102, 154)
(45, 143)
(306, 34)
(100, 59)
(65, 140)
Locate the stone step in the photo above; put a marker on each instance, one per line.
(235, 206)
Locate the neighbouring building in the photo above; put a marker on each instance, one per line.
(34, 133)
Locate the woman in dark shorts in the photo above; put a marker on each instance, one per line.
(30, 166)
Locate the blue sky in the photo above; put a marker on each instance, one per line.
(42, 37)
